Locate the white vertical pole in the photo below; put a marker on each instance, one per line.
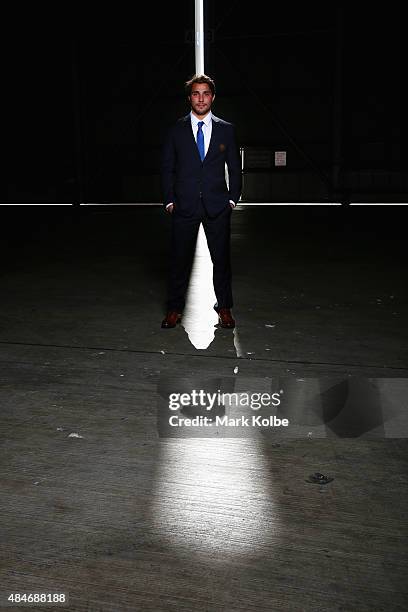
(199, 36)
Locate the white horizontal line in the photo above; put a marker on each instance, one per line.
(240, 204)
(35, 204)
(121, 204)
(289, 204)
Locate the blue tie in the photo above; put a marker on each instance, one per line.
(200, 139)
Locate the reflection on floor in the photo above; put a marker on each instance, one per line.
(199, 316)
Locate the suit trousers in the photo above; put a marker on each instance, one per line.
(183, 241)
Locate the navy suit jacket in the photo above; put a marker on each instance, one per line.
(185, 178)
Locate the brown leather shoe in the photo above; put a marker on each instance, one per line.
(225, 318)
(171, 319)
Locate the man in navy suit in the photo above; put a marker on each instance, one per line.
(194, 155)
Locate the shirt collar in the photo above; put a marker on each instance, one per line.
(195, 120)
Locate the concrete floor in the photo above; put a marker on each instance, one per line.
(122, 516)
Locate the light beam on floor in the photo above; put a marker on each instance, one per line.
(214, 495)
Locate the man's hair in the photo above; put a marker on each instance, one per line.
(199, 78)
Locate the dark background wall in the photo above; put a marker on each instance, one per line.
(89, 98)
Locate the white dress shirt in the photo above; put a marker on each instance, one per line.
(207, 130)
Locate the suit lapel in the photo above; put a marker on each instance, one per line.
(190, 137)
(214, 142)
(214, 137)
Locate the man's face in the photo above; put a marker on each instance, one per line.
(201, 98)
